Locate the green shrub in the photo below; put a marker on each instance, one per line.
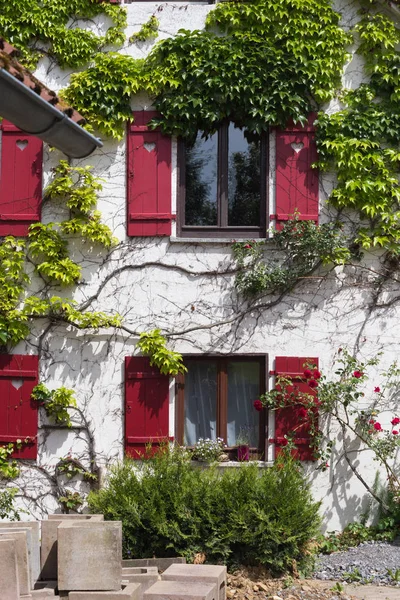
(244, 515)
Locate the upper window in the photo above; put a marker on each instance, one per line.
(215, 399)
(222, 184)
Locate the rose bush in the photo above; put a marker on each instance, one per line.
(362, 413)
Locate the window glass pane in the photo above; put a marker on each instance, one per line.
(200, 401)
(243, 389)
(244, 177)
(201, 181)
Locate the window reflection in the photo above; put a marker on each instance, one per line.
(244, 177)
(243, 389)
(201, 181)
(200, 402)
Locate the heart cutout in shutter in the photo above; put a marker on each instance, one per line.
(297, 146)
(22, 144)
(17, 383)
(149, 146)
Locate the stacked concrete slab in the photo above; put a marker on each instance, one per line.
(79, 558)
(32, 530)
(49, 546)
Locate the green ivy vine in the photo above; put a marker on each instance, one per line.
(361, 141)
(55, 402)
(257, 63)
(148, 31)
(237, 68)
(45, 28)
(47, 248)
(9, 468)
(154, 345)
(303, 246)
(78, 188)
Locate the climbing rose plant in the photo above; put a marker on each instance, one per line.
(345, 398)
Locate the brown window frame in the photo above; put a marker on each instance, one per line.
(222, 230)
(222, 396)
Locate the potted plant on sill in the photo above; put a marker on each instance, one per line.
(243, 445)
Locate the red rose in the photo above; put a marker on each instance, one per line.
(258, 405)
(307, 374)
(358, 374)
(371, 421)
(302, 412)
(247, 246)
(395, 421)
(377, 389)
(395, 432)
(284, 442)
(316, 374)
(312, 383)
(377, 427)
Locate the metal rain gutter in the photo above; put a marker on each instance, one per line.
(31, 113)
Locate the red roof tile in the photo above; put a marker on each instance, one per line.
(8, 61)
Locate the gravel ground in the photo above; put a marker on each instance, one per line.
(371, 562)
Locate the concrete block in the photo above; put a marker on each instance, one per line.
(69, 516)
(9, 582)
(181, 590)
(89, 555)
(140, 570)
(160, 563)
(33, 544)
(145, 579)
(129, 592)
(29, 544)
(199, 573)
(48, 550)
(41, 585)
(44, 590)
(21, 548)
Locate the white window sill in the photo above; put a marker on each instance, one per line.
(233, 464)
(179, 240)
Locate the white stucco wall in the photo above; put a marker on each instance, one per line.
(321, 315)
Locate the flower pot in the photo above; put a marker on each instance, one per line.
(243, 453)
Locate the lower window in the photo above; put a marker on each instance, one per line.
(215, 399)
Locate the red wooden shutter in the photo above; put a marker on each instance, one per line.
(296, 181)
(288, 420)
(146, 405)
(149, 178)
(18, 412)
(20, 180)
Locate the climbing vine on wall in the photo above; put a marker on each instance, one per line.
(250, 74)
(55, 402)
(303, 246)
(361, 141)
(148, 31)
(154, 345)
(54, 28)
(47, 248)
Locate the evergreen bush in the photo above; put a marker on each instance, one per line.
(244, 515)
